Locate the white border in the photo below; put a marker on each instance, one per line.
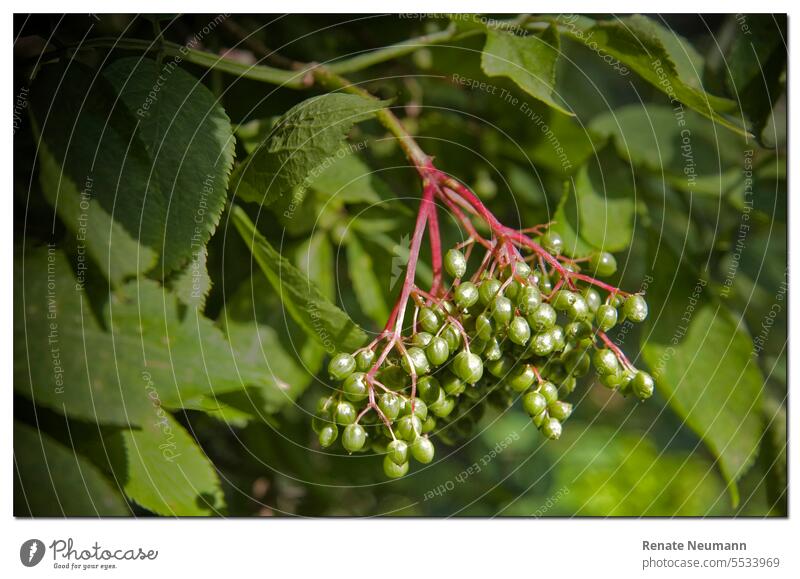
(386, 548)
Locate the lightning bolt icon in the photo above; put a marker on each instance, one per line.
(34, 548)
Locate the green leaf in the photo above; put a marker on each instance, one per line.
(169, 163)
(168, 473)
(366, 286)
(314, 257)
(347, 180)
(151, 357)
(688, 151)
(236, 413)
(606, 208)
(568, 222)
(109, 246)
(91, 169)
(702, 360)
(191, 284)
(562, 145)
(689, 63)
(52, 480)
(755, 64)
(261, 334)
(773, 456)
(191, 146)
(301, 146)
(529, 60)
(638, 42)
(644, 136)
(283, 378)
(604, 472)
(319, 318)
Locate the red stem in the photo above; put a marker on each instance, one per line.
(436, 248)
(614, 348)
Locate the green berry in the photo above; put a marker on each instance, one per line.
(452, 336)
(364, 360)
(605, 362)
(422, 450)
(345, 413)
(502, 310)
(468, 366)
(397, 452)
(529, 299)
(478, 345)
(393, 470)
(452, 384)
(390, 405)
(493, 351)
(416, 357)
(549, 391)
(626, 380)
(341, 366)
(552, 243)
(354, 437)
(534, 403)
(428, 425)
(484, 328)
(567, 385)
(559, 338)
(324, 404)
(542, 344)
(512, 290)
(603, 264)
(542, 318)
(428, 389)
(563, 300)
(635, 308)
(606, 317)
(437, 351)
(420, 408)
(576, 331)
(499, 368)
(519, 331)
(455, 263)
(521, 378)
(579, 309)
(355, 387)
(642, 385)
(522, 269)
(466, 295)
(613, 380)
(488, 290)
(429, 320)
(421, 339)
(445, 308)
(321, 421)
(559, 410)
(576, 362)
(551, 428)
(443, 407)
(393, 377)
(409, 427)
(538, 419)
(592, 298)
(327, 435)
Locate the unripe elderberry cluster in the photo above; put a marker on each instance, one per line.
(509, 331)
